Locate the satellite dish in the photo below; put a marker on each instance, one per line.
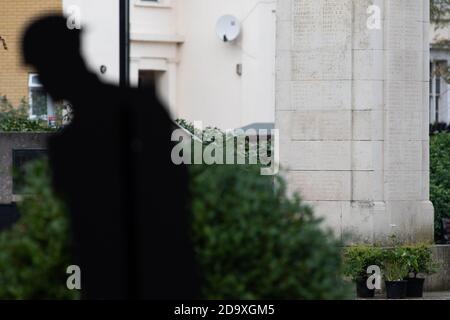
(228, 28)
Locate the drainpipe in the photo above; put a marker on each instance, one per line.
(124, 42)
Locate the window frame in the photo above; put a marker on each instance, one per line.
(32, 85)
(153, 3)
(437, 90)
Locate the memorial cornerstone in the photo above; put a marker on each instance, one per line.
(352, 110)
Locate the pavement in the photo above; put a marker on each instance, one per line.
(439, 295)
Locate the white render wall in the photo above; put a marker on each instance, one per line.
(200, 82)
(100, 21)
(209, 89)
(177, 38)
(352, 110)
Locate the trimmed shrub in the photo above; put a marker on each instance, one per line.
(395, 264)
(420, 260)
(358, 258)
(15, 119)
(34, 254)
(253, 242)
(440, 179)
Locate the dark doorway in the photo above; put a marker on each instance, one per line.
(148, 79)
(9, 214)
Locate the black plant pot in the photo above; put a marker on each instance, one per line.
(361, 289)
(415, 287)
(396, 289)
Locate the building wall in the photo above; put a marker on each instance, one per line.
(100, 21)
(154, 46)
(196, 71)
(352, 110)
(209, 89)
(14, 16)
(199, 81)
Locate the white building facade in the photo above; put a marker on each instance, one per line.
(174, 44)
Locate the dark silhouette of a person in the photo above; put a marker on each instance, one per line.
(112, 165)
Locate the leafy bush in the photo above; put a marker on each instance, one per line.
(440, 127)
(419, 259)
(34, 254)
(358, 258)
(395, 264)
(253, 242)
(15, 119)
(439, 12)
(440, 179)
(245, 146)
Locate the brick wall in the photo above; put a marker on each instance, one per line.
(14, 16)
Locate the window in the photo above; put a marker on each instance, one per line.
(20, 159)
(41, 105)
(438, 95)
(148, 79)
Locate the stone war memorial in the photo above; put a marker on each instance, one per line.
(352, 110)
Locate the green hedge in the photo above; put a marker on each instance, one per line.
(15, 119)
(440, 179)
(34, 254)
(251, 240)
(358, 258)
(396, 262)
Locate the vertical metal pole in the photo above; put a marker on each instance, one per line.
(128, 210)
(124, 42)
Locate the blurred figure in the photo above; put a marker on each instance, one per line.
(112, 165)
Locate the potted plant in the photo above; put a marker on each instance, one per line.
(420, 263)
(357, 259)
(395, 269)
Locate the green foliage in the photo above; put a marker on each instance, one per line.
(15, 119)
(207, 135)
(188, 126)
(439, 12)
(395, 264)
(253, 242)
(358, 258)
(34, 254)
(245, 147)
(440, 179)
(419, 259)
